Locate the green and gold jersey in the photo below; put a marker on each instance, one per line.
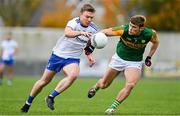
(131, 47)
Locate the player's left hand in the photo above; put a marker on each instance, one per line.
(91, 63)
(148, 61)
(91, 60)
(86, 34)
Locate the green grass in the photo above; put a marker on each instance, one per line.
(149, 97)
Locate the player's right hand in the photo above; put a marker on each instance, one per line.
(148, 61)
(86, 34)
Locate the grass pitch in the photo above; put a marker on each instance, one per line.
(149, 97)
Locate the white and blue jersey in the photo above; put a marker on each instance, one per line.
(8, 48)
(71, 48)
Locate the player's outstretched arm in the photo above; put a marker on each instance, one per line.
(113, 31)
(71, 33)
(108, 32)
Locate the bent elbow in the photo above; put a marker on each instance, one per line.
(66, 34)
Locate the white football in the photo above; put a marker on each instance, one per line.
(99, 40)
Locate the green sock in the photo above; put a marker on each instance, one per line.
(115, 104)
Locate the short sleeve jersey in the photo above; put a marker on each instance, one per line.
(132, 47)
(8, 48)
(73, 47)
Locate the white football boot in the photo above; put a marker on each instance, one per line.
(110, 111)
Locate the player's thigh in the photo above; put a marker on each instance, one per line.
(71, 70)
(132, 74)
(110, 75)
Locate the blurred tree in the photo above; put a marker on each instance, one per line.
(17, 12)
(161, 14)
(57, 16)
(112, 10)
(166, 18)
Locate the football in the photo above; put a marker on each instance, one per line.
(99, 40)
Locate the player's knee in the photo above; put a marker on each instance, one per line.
(130, 86)
(43, 82)
(73, 76)
(104, 84)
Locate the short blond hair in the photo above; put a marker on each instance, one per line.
(87, 7)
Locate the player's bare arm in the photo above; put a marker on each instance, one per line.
(113, 31)
(71, 33)
(155, 43)
(108, 31)
(91, 60)
(16, 51)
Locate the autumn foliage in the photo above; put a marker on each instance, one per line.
(57, 16)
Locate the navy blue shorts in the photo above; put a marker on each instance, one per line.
(8, 62)
(56, 63)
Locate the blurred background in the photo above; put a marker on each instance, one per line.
(37, 24)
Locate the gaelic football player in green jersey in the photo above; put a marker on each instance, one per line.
(128, 57)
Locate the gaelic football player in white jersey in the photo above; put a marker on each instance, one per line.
(66, 56)
(8, 50)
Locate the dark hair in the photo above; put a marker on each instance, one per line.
(138, 20)
(87, 7)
